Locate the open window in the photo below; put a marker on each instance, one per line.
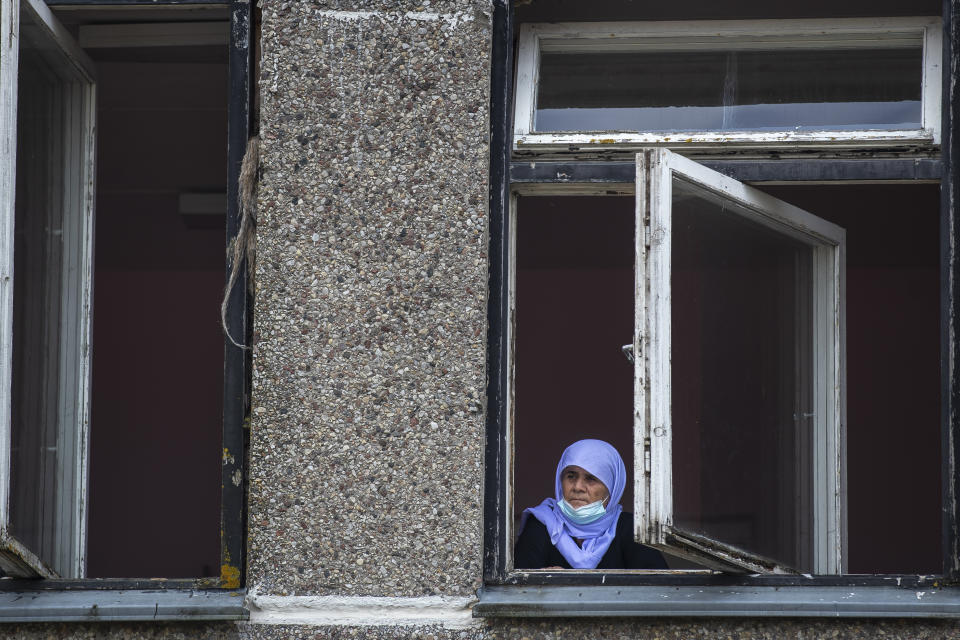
(775, 492)
(121, 402)
(48, 247)
(739, 367)
(787, 409)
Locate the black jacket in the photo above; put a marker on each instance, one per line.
(535, 551)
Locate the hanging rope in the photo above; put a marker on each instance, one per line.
(245, 244)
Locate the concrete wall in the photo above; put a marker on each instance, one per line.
(367, 432)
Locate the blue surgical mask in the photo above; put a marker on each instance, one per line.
(583, 515)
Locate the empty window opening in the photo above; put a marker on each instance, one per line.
(157, 348)
(574, 292)
(120, 224)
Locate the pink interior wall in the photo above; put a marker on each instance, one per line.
(574, 312)
(157, 348)
(893, 370)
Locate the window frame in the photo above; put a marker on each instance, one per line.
(570, 36)
(656, 169)
(74, 358)
(545, 593)
(30, 600)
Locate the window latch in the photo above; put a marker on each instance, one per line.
(627, 350)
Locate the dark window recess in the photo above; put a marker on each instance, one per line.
(574, 293)
(893, 370)
(158, 356)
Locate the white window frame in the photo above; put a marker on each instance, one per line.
(77, 197)
(728, 34)
(653, 477)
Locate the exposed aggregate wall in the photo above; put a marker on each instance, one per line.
(367, 430)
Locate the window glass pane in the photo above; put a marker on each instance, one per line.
(756, 90)
(741, 371)
(46, 322)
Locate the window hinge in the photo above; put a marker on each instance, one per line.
(646, 458)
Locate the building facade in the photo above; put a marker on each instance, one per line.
(395, 402)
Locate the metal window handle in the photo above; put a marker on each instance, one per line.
(627, 350)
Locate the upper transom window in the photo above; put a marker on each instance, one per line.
(824, 83)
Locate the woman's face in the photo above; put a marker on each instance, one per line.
(581, 488)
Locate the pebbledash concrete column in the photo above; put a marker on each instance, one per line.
(367, 431)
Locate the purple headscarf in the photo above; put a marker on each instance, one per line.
(602, 460)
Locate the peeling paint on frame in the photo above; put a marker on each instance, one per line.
(598, 37)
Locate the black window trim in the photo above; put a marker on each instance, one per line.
(545, 593)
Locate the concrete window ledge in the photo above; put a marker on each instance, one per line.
(110, 605)
(787, 601)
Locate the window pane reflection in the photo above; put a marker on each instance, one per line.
(741, 366)
(48, 293)
(731, 90)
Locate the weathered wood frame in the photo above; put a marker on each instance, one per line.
(733, 34)
(9, 63)
(653, 484)
(77, 199)
(950, 292)
(497, 475)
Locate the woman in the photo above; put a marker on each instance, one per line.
(585, 527)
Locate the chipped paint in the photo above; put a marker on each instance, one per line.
(451, 20)
(228, 457)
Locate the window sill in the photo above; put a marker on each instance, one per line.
(730, 601)
(94, 605)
